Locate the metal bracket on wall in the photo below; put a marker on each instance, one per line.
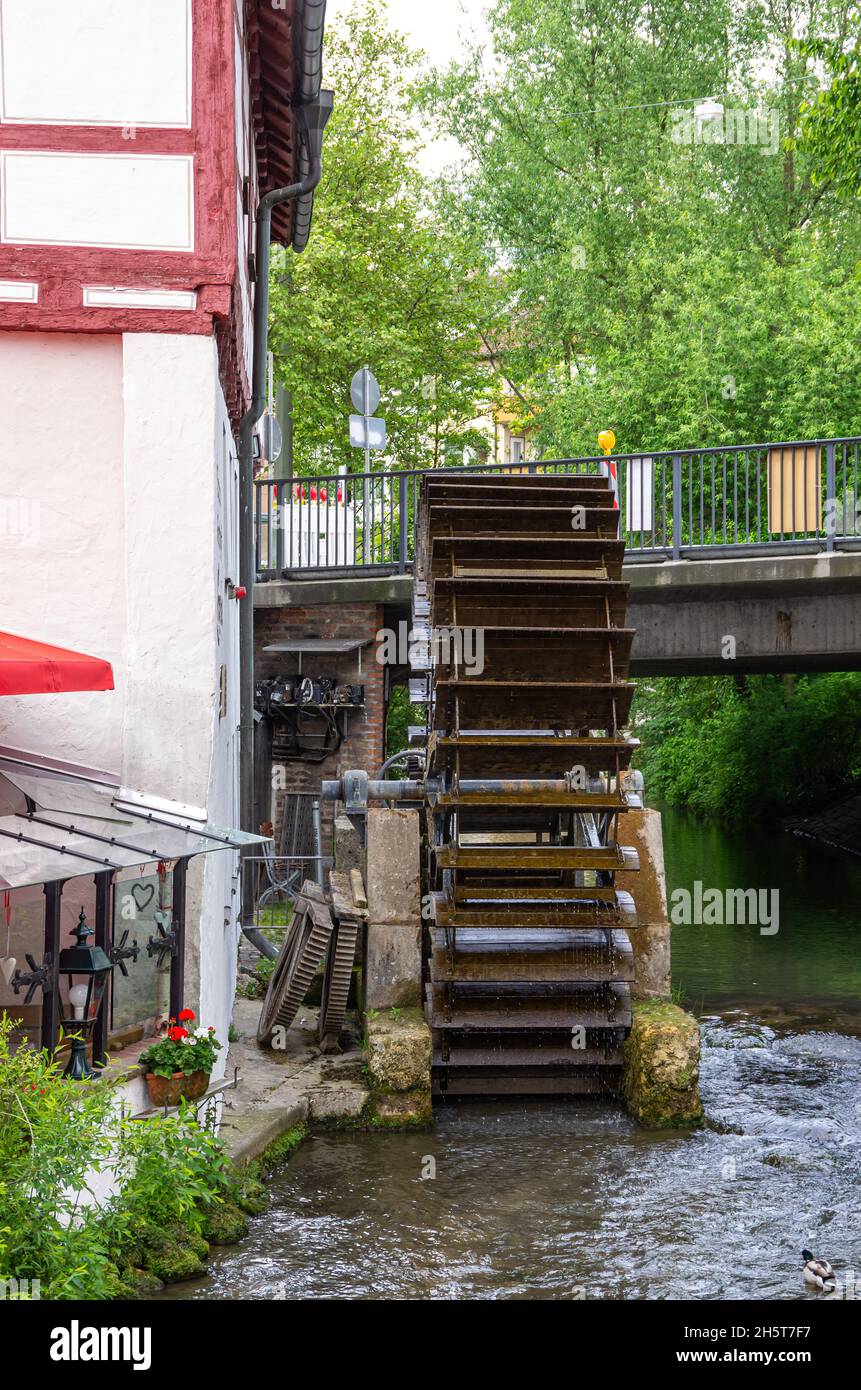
(120, 953)
(38, 977)
(355, 793)
(166, 942)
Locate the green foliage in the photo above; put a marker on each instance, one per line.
(255, 986)
(53, 1139)
(387, 278)
(401, 713)
(752, 748)
(681, 292)
(831, 121)
(61, 1140)
(169, 1170)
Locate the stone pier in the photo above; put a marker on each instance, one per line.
(650, 938)
(392, 977)
(397, 1038)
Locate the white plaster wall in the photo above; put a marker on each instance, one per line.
(62, 530)
(169, 400)
(121, 63)
(131, 202)
(117, 469)
(221, 892)
(180, 488)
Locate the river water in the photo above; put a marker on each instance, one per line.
(572, 1200)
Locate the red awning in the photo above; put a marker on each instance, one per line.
(34, 668)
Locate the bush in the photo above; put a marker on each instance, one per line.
(54, 1136)
(752, 746)
(168, 1174)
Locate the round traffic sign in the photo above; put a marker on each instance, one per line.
(365, 391)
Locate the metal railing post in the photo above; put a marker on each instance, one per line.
(280, 519)
(830, 494)
(404, 514)
(317, 825)
(677, 506)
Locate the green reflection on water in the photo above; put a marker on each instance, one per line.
(812, 964)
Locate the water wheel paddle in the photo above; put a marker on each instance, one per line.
(529, 966)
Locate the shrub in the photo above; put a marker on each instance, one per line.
(168, 1174)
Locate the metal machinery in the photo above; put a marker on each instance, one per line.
(528, 964)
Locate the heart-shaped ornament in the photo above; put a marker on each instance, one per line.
(143, 894)
(7, 967)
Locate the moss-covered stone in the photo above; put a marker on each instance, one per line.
(139, 1283)
(251, 1195)
(660, 1079)
(398, 1051)
(115, 1283)
(174, 1254)
(400, 1109)
(225, 1224)
(277, 1153)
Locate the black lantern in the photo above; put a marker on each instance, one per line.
(87, 969)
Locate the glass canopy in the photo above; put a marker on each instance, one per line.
(58, 820)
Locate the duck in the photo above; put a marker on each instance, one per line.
(818, 1274)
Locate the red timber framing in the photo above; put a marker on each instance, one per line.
(212, 270)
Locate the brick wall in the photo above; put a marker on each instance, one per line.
(363, 746)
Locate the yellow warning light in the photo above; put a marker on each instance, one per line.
(607, 441)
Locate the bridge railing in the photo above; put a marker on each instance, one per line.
(733, 500)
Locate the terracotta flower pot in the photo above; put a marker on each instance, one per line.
(168, 1090)
(165, 1090)
(196, 1084)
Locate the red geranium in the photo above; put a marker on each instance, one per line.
(177, 1034)
(187, 1016)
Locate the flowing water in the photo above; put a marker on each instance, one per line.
(570, 1200)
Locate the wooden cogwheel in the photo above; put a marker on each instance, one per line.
(304, 947)
(336, 982)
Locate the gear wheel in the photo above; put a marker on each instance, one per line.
(304, 948)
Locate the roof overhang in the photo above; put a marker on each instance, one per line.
(285, 61)
(60, 821)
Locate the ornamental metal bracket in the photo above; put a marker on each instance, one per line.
(38, 977)
(120, 953)
(166, 943)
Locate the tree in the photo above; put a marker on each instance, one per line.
(831, 122)
(390, 277)
(678, 277)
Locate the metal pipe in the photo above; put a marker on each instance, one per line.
(261, 942)
(247, 559)
(407, 789)
(317, 827)
(396, 757)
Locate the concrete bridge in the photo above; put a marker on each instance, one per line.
(741, 559)
(715, 616)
